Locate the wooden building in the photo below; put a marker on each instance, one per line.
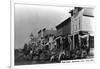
(64, 28)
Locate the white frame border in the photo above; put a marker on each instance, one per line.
(12, 4)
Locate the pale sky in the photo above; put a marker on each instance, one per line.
(32, 18)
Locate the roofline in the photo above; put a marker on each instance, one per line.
(63, 22)
(88, 15)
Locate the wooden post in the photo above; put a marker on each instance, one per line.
(73, 42)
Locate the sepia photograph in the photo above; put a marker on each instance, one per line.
(52, 34)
